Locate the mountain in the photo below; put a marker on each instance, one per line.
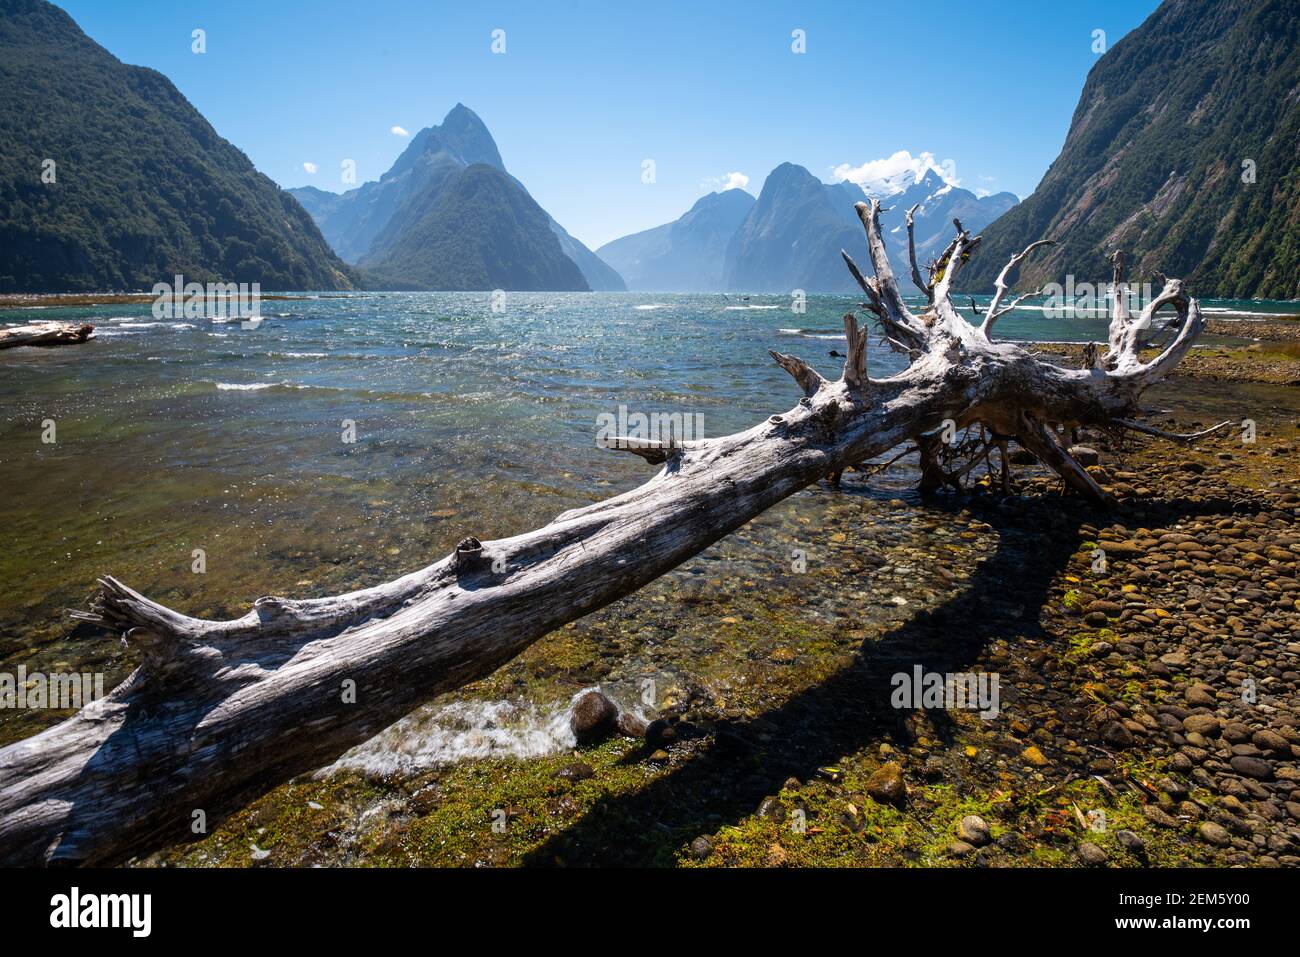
(143, 188)
(1156, 154)
(380, 224)
(686, 255)
(350, 221)
(940, 203)
(792, 237)
(480, 231)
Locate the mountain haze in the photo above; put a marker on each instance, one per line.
(686, 255)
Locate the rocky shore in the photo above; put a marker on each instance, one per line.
(1280, 330)
(1276, 363)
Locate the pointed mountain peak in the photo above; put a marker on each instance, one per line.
(461, 135)
(461, 117)
(790, 172)
(788, 177)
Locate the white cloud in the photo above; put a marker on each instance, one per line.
(893, 174)
(725, 182)
(310, 167)
(735, 181)
(399, 131)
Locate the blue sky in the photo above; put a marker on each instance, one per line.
(586, 92)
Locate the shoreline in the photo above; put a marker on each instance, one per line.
(56, 300)
(1271, 363)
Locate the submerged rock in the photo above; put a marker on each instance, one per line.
(594, 718)
(659, 734)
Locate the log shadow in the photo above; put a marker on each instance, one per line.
(726, 781)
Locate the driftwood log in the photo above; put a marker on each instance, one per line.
(45, 334)
(220, 712)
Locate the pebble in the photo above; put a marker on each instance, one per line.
(974, 830)
(1215, 834)
(1158, 817)
(887, 786)
(1206, 725)
(659, 734)
(1267, 740)
(1252, 767)
(1033, 755)
(1131, 841)
(770, 808)
(575, 771)
(1091, 854)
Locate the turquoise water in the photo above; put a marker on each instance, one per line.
(177, 436)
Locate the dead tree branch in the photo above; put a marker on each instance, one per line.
(220, 712)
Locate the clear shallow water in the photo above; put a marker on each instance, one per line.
(177, 436)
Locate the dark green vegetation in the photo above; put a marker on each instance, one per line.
(144, 187)
(481, 231)
(1153, 162)
(428, 224)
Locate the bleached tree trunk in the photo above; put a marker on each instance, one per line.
(221, 711)
(45, 334)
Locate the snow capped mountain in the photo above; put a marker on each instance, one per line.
(898, 173)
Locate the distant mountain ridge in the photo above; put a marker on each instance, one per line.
(792, 237)
(144, 187)
(1173, 124)
(403, 231)
(686, 255)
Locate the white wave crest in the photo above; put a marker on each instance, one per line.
(458, 731)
